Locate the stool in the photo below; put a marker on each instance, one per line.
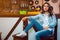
(0, 35)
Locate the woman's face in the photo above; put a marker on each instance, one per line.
(45, 7)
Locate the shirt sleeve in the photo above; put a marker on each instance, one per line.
(35, 17)
(53, 24)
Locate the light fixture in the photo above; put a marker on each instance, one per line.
(36, 2)
(31, 2)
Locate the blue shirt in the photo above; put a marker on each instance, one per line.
(43, 19)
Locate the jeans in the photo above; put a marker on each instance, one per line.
(40, 32)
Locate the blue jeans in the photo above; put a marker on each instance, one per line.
(40, 32)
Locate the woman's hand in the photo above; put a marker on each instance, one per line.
(45, 27)
(23, 19)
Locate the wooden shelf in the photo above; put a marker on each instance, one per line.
(14, 14)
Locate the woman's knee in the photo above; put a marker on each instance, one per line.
(38, 34)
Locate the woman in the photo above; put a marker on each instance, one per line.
(44, 22)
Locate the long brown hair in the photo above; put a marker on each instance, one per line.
(49, 10)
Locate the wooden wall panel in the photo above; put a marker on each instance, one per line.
(14, 4)
(6, 3)
(6, 6)
(1, 5)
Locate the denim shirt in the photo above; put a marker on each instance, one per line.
(40, 18)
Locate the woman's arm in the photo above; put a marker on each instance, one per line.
(31, 17)
(35, 17)
(53, 21)
(23, 19)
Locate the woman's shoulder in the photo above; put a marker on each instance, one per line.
(54, 14)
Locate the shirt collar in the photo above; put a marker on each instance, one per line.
(46, 14)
